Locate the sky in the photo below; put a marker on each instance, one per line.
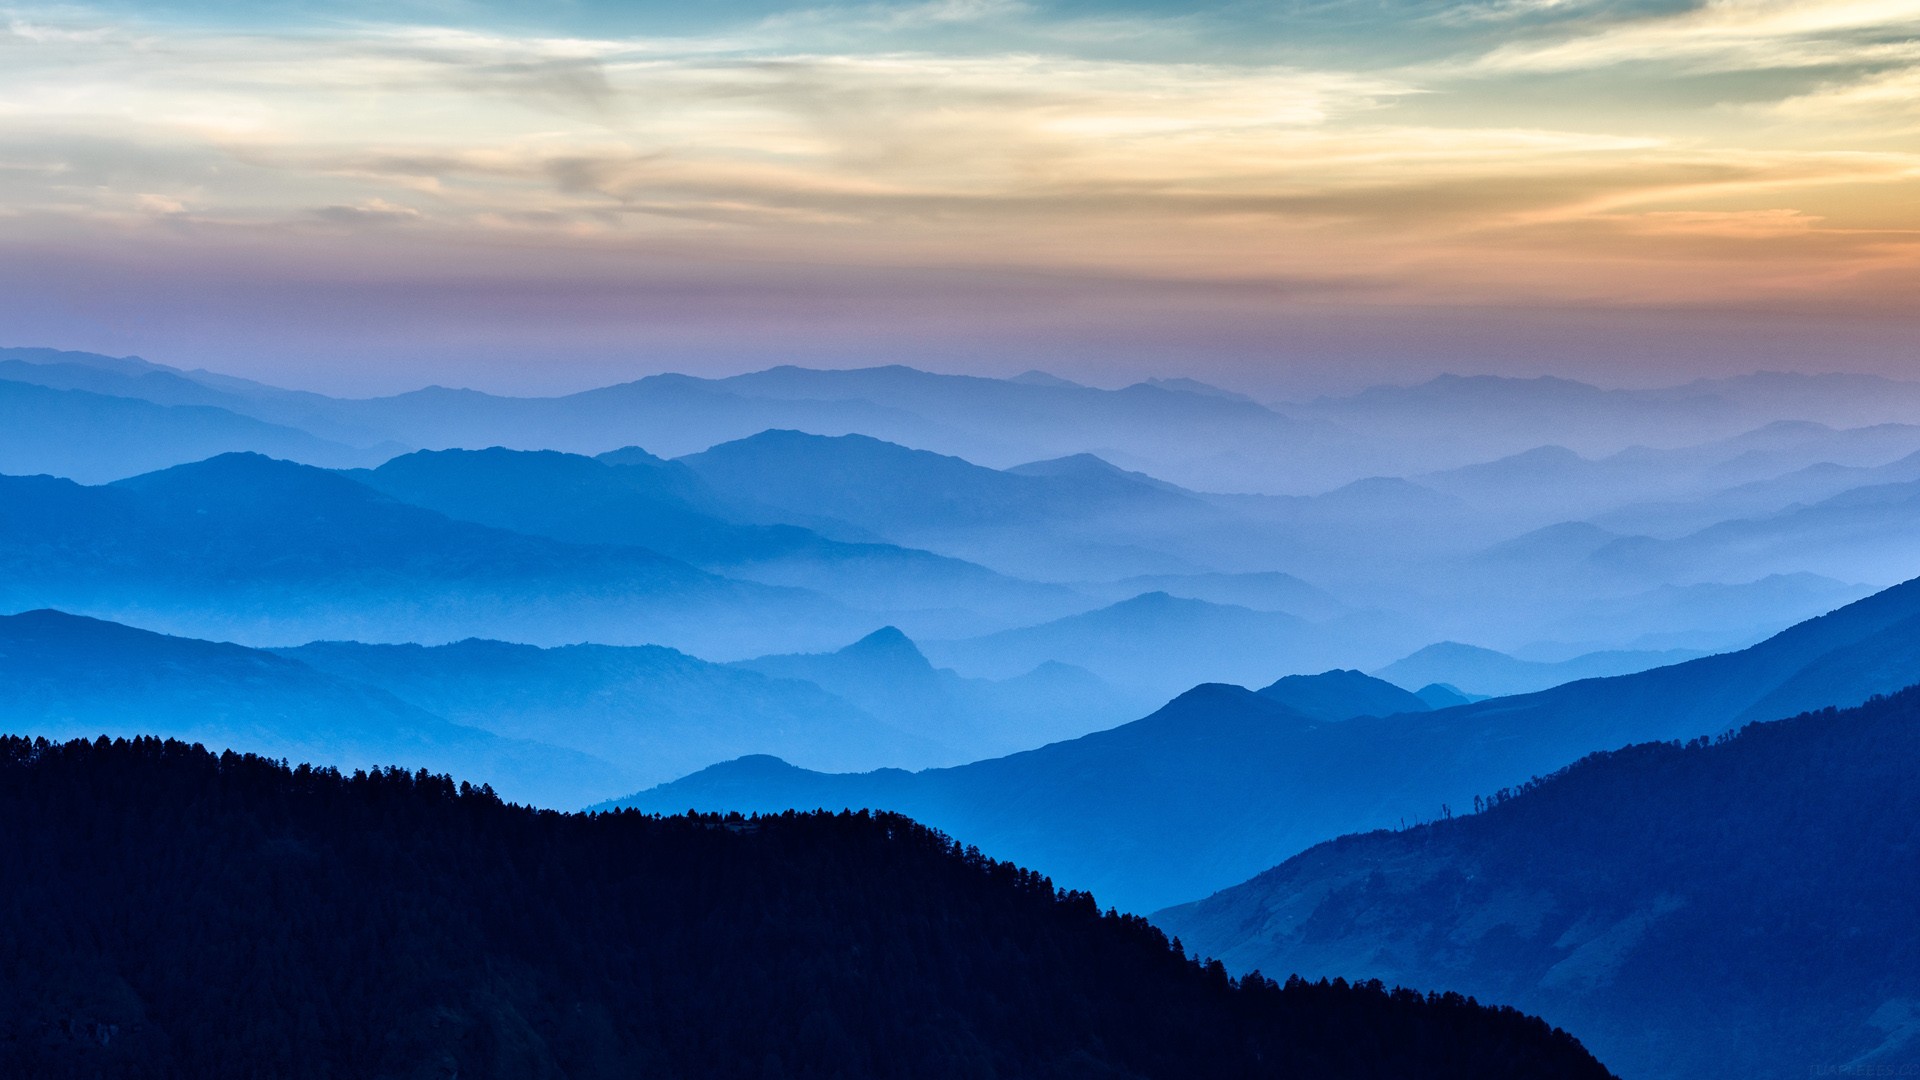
(1284, 196)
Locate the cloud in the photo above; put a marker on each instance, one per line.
(791, 141)
(1724, 35)
(371, 212)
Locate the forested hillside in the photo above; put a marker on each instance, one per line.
(173, 913)
(1731, 908)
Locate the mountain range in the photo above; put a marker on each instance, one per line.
(262, 551)
(1224, 782)
(1734, 907)
(74, 677)
(960, 507)
(173, 912)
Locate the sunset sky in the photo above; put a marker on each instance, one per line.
(1288, 196)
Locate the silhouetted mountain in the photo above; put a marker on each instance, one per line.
(1066, 522)
(1195, 386)
(171, 913)
(894, 490)
(653, 712)
(96, 437)
(1397, 522)
(133, 377)
(1153, 643)
(1343, 695)
(1854, 536)
(1200, 432)
(1758, 498)
(1740, 908)
(1552, 483)
(1708, 617)
(1190, 432)
(887, 675)
(1463, 419)
(68, 676)
(633, 498)
(1443, 696)
(1224, 782)
(57, 371)
(1491, 673)
(1262, 591)
(267, 551)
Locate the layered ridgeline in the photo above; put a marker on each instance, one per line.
(1225, 782)
(171, 913)
(632, 498)
(1763, 490)
(661, 713)
(270, 552)
(1740, 908)
(558, 727)
(1191, 432)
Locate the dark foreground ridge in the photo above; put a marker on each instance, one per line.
(168, 913)
(1740, 908)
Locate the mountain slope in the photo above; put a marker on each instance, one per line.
(653, 712)
(1857, 535)
(1739, 909)
(632, 498)
(1342, 695)
(1223, 783)
(887, 675)
(1061, 524)
(893, 490)
(395, 925)
(94, 437)
(68, 676)
(1153, 643)
(268, 551)
(1491, 672)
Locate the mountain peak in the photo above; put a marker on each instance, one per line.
(886, 643)
(1342, 694)
(1210, 705)
(1037, 377)
(631, 455)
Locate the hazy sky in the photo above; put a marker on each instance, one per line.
(1272, 194)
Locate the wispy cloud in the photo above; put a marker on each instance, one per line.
(1724, 35)
(842, 134)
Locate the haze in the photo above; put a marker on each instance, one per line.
(368, 198)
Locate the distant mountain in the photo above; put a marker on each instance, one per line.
(1193, 430)
(1065, 522)
(632, 498)
(887, 675)
(397, 925)
(268, 551)
(1195, 386)
(1343, 695)
(1474, 418)
(96, 437)
(1757, 498)
(887, 488)
(1443, 696)
(653, 712)
(73, 677)
(1470, 668)
(1552, 483)
(1177, 428)
(1152, 643)
(1262, 591)
(1222, 782)
(1858, 535)
(1725, 910)
(1710, 616)
(1392, 519)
